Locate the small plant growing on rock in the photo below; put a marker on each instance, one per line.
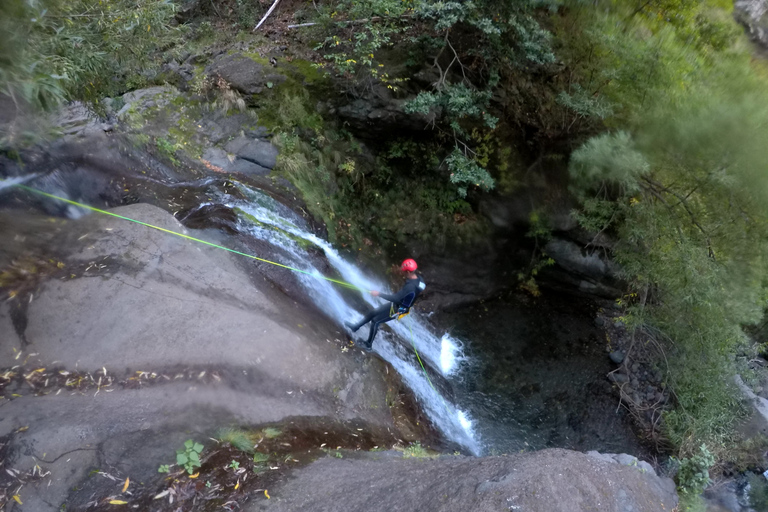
(693, 475)
(189, 457)
(240, 439)
(416, 451)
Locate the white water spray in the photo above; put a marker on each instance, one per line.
(278, 225)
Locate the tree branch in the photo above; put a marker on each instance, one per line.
(274, 4)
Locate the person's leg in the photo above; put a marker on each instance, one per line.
(377, 321)
(374, 313)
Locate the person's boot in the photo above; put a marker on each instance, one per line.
(352, 327)
(361, 344)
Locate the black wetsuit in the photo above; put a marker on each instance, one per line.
(401, 303)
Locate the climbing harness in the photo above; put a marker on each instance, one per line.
(400, 313)
(319, 276)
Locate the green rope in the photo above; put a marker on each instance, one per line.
(336, 281)
(111, 214)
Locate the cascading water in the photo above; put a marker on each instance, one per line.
(268, 220)
(10, 182)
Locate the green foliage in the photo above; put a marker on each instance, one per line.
(167, 148)
(693, 475)
(359, 37)
(395, 197)
(164, 468)
(466, 172)
(608, 159)
(681, 186)
(234, 465)
(189, 456)
(271, 433)
(260, 457)
(240, 439)
(54, 50)
(416, 451)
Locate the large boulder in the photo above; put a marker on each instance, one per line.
(546, 481)
(243, 73)
(753, 15)
(177, 338)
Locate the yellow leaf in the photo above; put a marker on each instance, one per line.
(12, 294)
(117, 502)
(195, 475)
(17, 499)
(60, 265)
(267, 494)
(237, 485)
(126, 484)
(23, 429)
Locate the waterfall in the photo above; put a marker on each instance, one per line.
(269, 220)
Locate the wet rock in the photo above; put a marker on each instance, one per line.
(378, 112)
(249, 168)
(728, 496)
(618, 378)
(220, 159)
(624, 460)
(548, 480)
(210, 216)
(77, 121)
(753, 14)
(243, 74)
(617, 356)
(179, 74)
(257, 151)
(598, 275)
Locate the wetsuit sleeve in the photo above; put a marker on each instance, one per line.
(399, 296)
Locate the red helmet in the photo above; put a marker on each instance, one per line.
(409, 265)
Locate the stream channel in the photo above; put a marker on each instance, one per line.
(506, 375)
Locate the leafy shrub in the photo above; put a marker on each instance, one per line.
(240, 439)
(693, 475)
(54, 50)
(189, 456)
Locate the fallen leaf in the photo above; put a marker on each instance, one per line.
(18, 500)
(195, 475)
(126, 484)
(267, 494)
(117, 502)
(237, 485)
(23, 429)
(162, 494)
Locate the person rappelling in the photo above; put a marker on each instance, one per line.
(399, 304)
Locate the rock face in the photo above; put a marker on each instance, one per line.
(132, 299)
(752, 14)
(243, 74)
(587, 269)
(545, 481)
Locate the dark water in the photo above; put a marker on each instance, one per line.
(536, 375)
